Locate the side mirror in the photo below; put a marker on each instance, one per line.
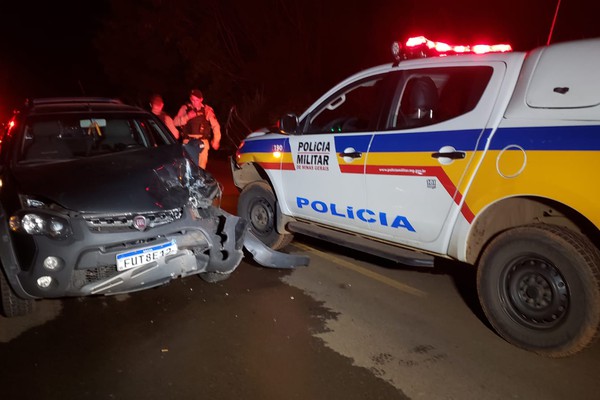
(289, 124)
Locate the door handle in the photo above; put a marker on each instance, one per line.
(351, 154)
(454, 155)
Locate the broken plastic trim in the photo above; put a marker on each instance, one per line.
(270, 258)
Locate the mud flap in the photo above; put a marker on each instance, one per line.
(270, 258)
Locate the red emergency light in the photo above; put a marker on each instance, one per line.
(420, 46)
(10, 125)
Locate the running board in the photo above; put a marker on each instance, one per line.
(363, 244)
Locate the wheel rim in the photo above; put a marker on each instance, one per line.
(261, 216)
(535, 292)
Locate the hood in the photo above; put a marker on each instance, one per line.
(155, 179)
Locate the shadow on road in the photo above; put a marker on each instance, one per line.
(462, 275)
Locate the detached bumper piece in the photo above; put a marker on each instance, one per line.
(270, 258)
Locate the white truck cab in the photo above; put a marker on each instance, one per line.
(489, 159)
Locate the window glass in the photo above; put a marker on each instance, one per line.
(155, 134)
(430, 96)
(354, 109)
(70, 137)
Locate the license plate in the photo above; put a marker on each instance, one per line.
(146, 255)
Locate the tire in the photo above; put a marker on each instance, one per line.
(539, 286)
(258, 206)
(13, 306)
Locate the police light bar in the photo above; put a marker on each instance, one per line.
(420, 46)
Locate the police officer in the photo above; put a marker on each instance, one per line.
(199, 122)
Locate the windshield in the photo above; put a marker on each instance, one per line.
(67, 137)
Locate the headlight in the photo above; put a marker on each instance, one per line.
(33, 224)
(40, 223)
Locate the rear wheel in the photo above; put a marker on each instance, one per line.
(13, 306)
(258, 206)
(539, 286)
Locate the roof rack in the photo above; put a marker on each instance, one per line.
(63, 100)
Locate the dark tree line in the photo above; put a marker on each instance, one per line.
(267, 57)
(263, 57)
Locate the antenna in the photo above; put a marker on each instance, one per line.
(553, 23)
(83, 90)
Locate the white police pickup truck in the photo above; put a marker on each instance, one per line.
(490, 159)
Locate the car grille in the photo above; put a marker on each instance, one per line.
(84, 275)
(124, 222)
(81, 278)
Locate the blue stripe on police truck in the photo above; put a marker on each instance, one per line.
(409, 142)
(359, 143)
(265, 145)
(546, 138)
(549, 138)
(553, 138)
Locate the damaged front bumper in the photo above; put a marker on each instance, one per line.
(221, 258)
(208, 242)
(212, 245)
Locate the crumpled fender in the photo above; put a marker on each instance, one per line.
(237, 228)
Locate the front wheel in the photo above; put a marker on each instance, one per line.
(213, 277)
(257, 205)
(539, 286)
(12, 305)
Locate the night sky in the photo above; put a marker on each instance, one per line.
(48, 48)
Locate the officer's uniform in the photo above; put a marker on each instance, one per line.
(202, 126)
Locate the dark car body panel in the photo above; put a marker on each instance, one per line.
(110, 183)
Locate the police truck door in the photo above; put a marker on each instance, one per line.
(327, 182)
(417, 169)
